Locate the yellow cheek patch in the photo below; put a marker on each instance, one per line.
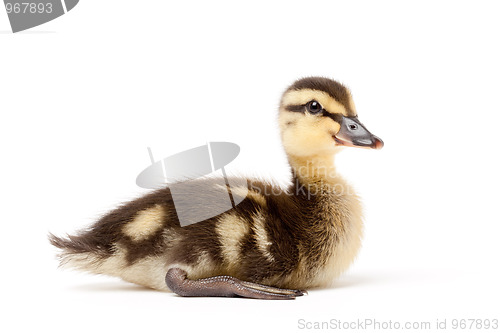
(306, 123)
(303, 96)
(331, 125)
(289, 119)
(309, 134)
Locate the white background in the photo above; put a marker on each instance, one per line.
(82, 97)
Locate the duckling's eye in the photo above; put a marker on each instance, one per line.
(314, 107)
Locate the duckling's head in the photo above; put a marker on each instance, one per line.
(317, 116)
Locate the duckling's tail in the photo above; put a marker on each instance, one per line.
(83, 251)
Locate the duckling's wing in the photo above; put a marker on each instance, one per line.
(201, 199)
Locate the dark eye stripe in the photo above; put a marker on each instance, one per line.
(302, 109)
(335, 116)
(296, 108)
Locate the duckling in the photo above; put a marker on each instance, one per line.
(275, 244)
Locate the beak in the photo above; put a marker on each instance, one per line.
(353, 134)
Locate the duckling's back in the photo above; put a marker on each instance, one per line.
(140, 240)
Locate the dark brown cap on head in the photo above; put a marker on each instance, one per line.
(329, 86)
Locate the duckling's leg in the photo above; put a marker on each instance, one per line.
(224, 285)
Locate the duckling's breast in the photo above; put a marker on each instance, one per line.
(334, 241)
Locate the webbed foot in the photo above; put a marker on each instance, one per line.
(224, 286)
